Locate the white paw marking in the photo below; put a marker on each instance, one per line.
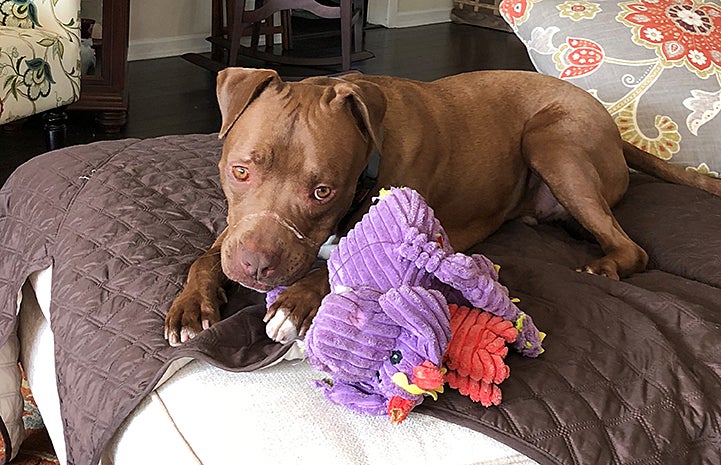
(280, 328)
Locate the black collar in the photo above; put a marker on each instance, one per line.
(365, 185)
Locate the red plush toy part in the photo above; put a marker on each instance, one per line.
(399, 408)
(475, 354)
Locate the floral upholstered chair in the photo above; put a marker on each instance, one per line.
(654, 64)
(39, 61)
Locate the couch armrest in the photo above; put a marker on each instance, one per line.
(59, 16)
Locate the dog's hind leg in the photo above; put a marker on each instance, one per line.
(587, 180)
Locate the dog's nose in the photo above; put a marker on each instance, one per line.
(258, 264)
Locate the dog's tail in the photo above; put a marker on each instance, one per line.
(643, 161)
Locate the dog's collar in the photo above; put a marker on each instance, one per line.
(369, 177)
(366, 183)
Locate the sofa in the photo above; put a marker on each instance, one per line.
(39, 61)
(97, 241)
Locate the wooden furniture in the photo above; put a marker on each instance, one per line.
(227, 31)
(105, 91)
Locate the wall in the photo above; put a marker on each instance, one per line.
(161, 28)
(407, 13)
(423, 5)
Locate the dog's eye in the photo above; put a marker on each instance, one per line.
(322, 192)
(240, 173)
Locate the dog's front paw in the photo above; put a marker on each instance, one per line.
(280, 328)
(290, 316)
(194, 310)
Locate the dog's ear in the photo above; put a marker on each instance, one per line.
(236, 88)
(366, 103)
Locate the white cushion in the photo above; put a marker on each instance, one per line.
(11, 400)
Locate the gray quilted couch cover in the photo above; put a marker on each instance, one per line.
(630, 373)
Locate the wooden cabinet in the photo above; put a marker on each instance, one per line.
(103, 88)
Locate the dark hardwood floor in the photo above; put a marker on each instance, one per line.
(174, 96)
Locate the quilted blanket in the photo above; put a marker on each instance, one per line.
(630, 373)
(120, 222)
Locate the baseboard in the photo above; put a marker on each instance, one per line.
(167, 46)
(420, 18)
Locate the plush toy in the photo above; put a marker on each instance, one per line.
(474, 357)
(386, 335)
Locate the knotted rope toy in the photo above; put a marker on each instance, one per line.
(403, 316)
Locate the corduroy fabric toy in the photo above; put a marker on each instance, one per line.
(475, 355)
(384, 333)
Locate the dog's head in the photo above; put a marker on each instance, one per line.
(292, 156)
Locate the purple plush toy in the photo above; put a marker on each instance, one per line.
(382, 332)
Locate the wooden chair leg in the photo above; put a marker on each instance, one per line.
(358, 25)
(235, 31)
(346, 19)
(216, 29)
(269, 36)
(255, 36)
(287, 30)
(55, 128)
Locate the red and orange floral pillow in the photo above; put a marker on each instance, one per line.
(654, 64)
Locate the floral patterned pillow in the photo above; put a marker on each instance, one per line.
(654, 64)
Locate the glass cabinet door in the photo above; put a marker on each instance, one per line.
(91, 37)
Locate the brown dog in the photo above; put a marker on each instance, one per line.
(481, 147)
